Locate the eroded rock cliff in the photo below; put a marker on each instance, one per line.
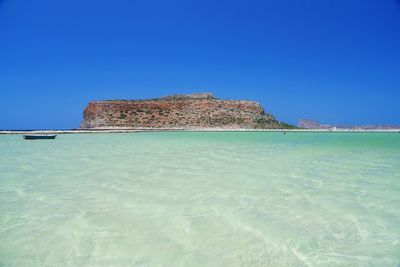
(179, 111)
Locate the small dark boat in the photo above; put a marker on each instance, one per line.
(39, 136)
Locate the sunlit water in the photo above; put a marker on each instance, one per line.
(200, 199)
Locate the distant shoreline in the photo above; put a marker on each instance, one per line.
(133, 130)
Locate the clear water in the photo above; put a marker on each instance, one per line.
(200, 199)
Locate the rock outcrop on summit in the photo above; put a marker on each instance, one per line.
(194, 111)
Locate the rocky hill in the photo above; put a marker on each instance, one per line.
(310, 124)
(178, 111)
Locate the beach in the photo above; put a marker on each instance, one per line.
(150, 129)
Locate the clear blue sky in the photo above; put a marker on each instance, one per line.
(335, 61)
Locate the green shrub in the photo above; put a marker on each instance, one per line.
(122, 115)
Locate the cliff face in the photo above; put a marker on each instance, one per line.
(178, 111)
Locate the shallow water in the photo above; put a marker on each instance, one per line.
(201, 199)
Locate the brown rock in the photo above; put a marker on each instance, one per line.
(178, 111)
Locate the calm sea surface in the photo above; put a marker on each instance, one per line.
(201, 199)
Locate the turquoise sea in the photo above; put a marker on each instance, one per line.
(201, 199)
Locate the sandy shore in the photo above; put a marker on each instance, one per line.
(132, 130)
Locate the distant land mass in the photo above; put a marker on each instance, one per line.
(310, 124)
(189, 111)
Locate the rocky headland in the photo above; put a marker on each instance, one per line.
(310, 124)
(193, 111)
